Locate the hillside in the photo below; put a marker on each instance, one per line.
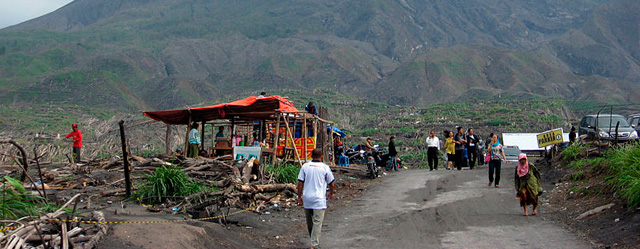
(140, 55)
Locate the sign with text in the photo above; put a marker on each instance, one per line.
(550, 138)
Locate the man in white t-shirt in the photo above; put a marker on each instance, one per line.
(313, 179)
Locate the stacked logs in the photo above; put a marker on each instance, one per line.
(44, 233)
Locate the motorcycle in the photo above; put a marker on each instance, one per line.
(373, 171)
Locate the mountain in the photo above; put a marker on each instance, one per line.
(153, 54)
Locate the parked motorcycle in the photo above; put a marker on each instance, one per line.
(373, 171)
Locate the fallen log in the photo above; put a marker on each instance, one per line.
(597, 210)
(103, 228)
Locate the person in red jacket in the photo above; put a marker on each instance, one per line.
(77, 141)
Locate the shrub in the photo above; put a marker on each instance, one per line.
(573, 152)
(166, 183)
(283, 173)
(17, 202)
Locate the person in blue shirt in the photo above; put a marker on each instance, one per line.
(194, 141)
(310, 108)
(220, 132)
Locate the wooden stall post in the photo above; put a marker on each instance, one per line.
(331, 162)
(276, 137)
(125, 160)
(167, 141)
(186, 140)
(202, 135)
(295, 152)
(305, 136)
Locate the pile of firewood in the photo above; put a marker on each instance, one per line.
(243, 186)
(45, 232)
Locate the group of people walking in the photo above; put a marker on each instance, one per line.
(461, 149)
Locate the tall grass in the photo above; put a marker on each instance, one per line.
(624, 164)
(283, 173)
(164, 184)
(574, 151)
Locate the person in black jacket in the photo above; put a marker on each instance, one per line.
(392, 164)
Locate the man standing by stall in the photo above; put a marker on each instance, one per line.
(194, 141)
(77, 142)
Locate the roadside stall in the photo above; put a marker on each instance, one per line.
(266, 128)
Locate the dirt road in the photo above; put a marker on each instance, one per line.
(442, 209)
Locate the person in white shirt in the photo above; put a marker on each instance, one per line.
(433, 146)
(313, 179)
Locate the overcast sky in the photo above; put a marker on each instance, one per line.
(17, 11)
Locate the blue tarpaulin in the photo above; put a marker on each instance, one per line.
(336, 130)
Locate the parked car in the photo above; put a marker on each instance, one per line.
(634, 121)
(511, 152)
(604, 126)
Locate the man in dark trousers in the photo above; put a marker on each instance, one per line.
(472, 148)
(461, 141)
(313, 179)
(76, 135)
(393, 162)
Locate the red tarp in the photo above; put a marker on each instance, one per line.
(251, 108)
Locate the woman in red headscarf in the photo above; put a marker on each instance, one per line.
(528, 186)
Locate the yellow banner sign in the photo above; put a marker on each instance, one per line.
(550, 137)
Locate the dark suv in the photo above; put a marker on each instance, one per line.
(606, 126)
(634, 121)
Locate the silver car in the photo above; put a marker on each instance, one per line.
(511, 152)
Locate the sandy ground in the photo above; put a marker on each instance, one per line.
(442, 209)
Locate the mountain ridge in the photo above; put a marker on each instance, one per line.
(167, 54)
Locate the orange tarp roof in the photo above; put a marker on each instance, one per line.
(251, 108)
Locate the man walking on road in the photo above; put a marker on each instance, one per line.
(433, 146)
(472, 150)
(77, 142)
(313, 179)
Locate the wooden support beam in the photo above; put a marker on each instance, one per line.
(125, 160)
(141, 123)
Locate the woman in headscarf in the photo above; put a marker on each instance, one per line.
(527, 179)
(496, 155)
